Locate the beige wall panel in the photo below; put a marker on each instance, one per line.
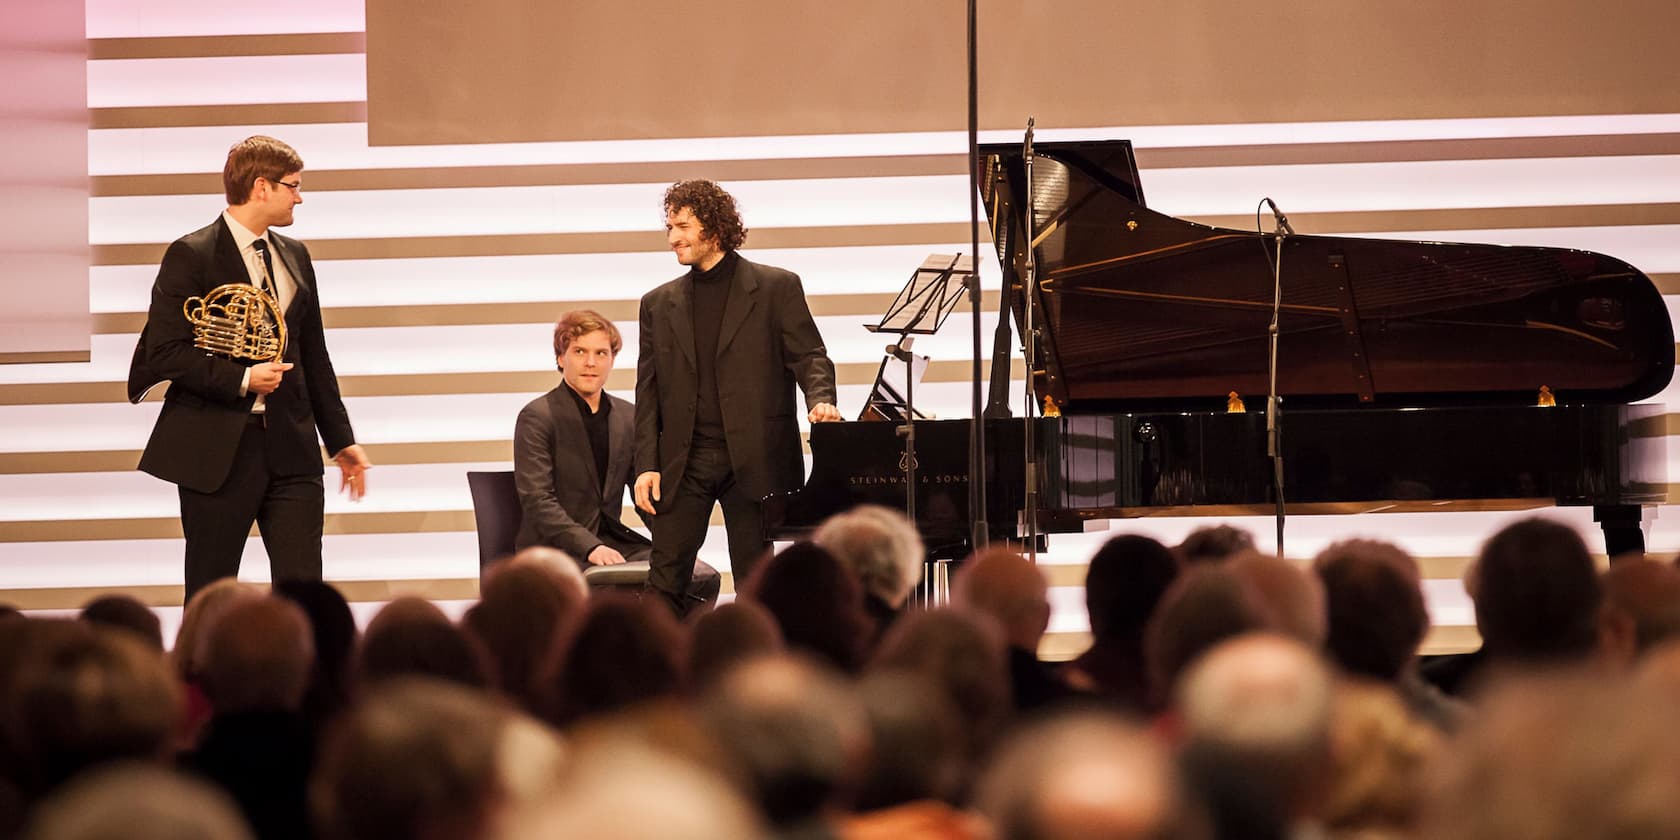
(518, 70)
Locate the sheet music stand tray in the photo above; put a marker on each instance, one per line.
(919, 309)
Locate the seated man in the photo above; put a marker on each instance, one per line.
(572, 453)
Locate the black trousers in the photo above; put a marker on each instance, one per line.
(287, 510)
(680, 528)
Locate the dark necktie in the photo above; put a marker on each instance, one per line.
(268, 284)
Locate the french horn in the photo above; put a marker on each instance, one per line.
(238, 320)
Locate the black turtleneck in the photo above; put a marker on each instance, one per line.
(710, 289)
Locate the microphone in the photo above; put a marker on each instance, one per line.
(1282, 220)
(1027, 151)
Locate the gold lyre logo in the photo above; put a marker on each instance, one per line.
(239, 321)
(905, 461)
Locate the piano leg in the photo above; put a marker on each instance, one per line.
(1623, 526)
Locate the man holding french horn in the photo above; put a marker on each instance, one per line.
(235, 327)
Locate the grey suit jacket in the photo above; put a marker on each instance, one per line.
(767, 345)
(203, 415)
(566, 504)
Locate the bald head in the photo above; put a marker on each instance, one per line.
(1009, 588)
(1641, 606)
(1082, 777)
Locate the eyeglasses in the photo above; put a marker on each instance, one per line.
(294, 187)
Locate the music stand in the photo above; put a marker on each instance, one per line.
(919, 309)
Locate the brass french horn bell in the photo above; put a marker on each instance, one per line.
(239, 321)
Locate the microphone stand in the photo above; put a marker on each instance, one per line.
(980, 531)
(1029, 337)
(1274, 432)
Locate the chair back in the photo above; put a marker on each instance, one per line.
(496, 513)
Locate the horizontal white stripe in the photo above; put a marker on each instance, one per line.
(1429, 185)
(134, 151)
(152, 19)
(559, 278)
(232, 80)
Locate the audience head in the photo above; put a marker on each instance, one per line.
(420, 758)
(334, 630)
(880, 546)
(793, 731)
(1085, 777)
(1292, 597)
(1374, 594)
(1206, 605)
(722, 638)
(917, 747)
(1536, 593)
(1006, 586)
(1124, 582)
(126, 613)
(1560, 754)
(1380, 755)
(205, 608)
(1258, 708)
(412, 637)
(1214, 543)
(961, 653)
(258, 656)
(817, 602)
(1641, 607)
(77, 696)
(622, 789)
(623, 651)
(136, 801)
(524, 605)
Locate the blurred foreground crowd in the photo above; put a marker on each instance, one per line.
(1225, 694)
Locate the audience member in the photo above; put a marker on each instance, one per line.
(1009, 588)
(621, 789)
(1126, 579)
(258, 656)
(623, 651)
(1560, 754)
(917, 751)
(1086, 777)
(795, 733)
(722, 638)
(964, 655)
(138, 802)
(1255, 713)
(1537, 598)
(1292, 597)
(524, 605)
(78, 696)
(883, 550)
(1206, 605)
(1380, 753)
(817, 603)
(1374, 595)
(205, 608)
(124, 612)
(335, 635)
(1641, 608)
(412, 637)
(1214, 543)
(421, 759)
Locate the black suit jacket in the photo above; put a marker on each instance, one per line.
(767, 344)
(203, 415)
(566, 505)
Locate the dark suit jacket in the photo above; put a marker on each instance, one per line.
(566, 504)
(203, 415)
(767, 344)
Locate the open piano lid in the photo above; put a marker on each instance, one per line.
(1139, 310)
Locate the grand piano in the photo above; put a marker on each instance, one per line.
(1413, 375)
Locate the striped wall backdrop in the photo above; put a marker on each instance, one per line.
(442, 269)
